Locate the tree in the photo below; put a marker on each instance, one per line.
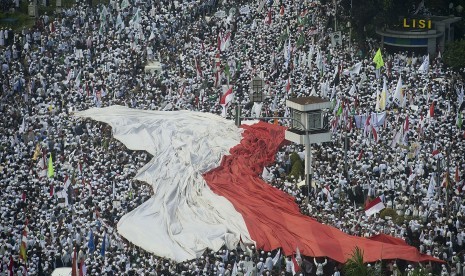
(297, 169)
(372, 14)
(454, 55)
(355, 265)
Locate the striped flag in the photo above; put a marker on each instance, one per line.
(375, 206)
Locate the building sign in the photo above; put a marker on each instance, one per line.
(414, 23)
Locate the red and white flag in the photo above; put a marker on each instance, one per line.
(367, 124)
(227, 97)
(219, 42)
(327, 193)
(406, 124)
(436, 153)
(360, 155)
(288, 85)
(375, 134)
(226, 41)
(198, 69)
(421, 124)
(216, 159)
(445, 181)
(269, 20)
(375, 206)
(295, 266)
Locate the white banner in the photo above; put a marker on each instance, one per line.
(244, 9)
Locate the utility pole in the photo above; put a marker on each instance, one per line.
(335, 15)
(438, 175)
(238, 115)
(346, 173)
(350, 27)
(308, 166)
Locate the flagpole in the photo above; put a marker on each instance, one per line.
(447, 183)
(345, 169)
(438, 176)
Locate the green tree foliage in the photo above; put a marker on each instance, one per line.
(367, 15)
(454, 55)
(297, 169)
(419, 271)
(355, 265)
(294, 158)
(388, 212)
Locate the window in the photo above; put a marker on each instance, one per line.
(297, 116)
(257, 94)
(314, 120)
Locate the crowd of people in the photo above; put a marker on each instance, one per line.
(89, 56)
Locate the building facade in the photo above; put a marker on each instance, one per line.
(431, 33)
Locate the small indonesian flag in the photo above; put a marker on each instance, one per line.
(327, 193)
(198, 68)
(375, 206)
(375, 134)
(445, 181)
(406, 124)
(360, 155)
(295, 266)
(227, 97)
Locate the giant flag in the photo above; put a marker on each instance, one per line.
(206, 176)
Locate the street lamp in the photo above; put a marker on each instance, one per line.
(309, 125)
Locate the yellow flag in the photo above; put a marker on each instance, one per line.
(51, 170)
(378, 59)
(36, 152)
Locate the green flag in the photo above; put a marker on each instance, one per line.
(340, 109)
(284, 36)
(301, 40)
(51, 170)
(226, 70)
(378, 59)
